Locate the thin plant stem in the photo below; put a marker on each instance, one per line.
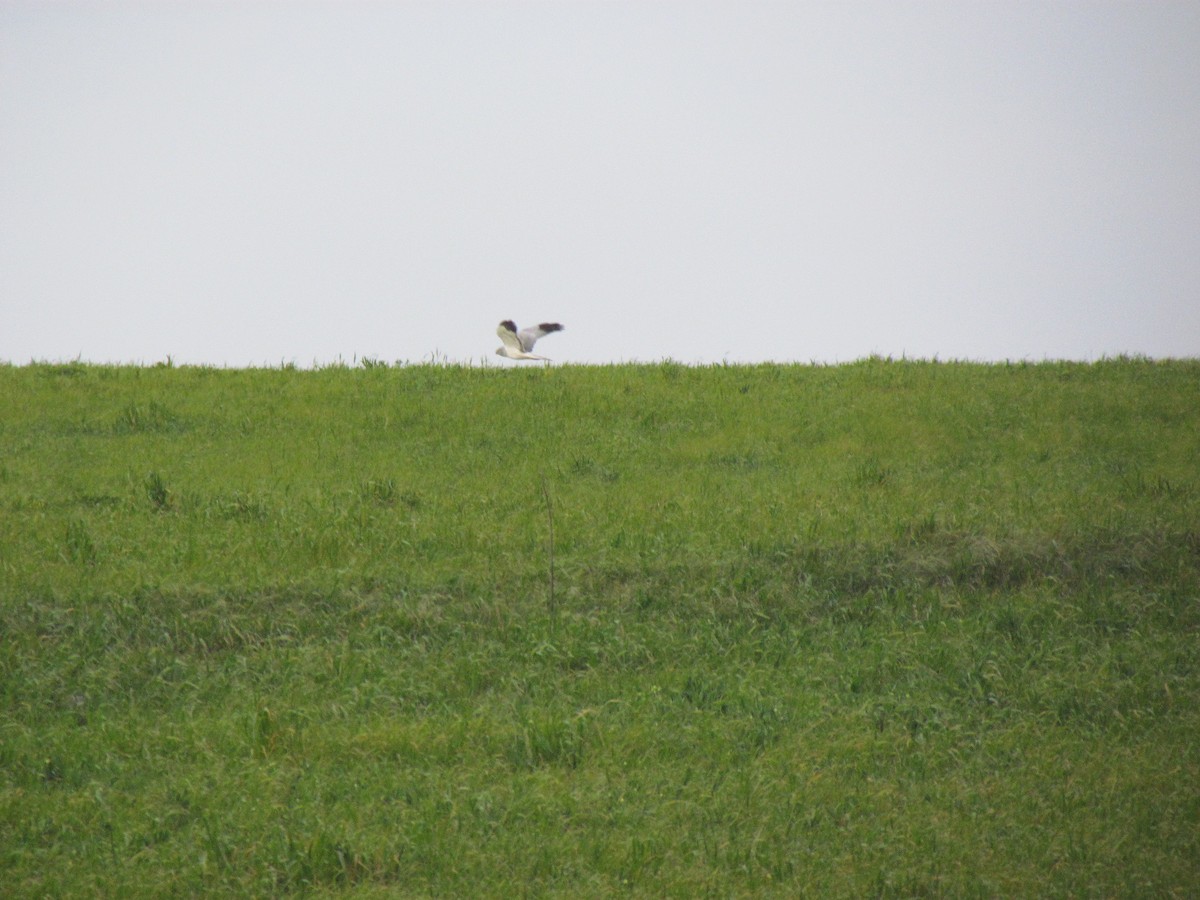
(550, 521)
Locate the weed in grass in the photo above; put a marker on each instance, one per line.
(869, 473)
(156, 492)
(241, 506)
(382, 491)
(80, 547)
(544, 738)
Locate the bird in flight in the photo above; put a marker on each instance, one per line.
(517, 344)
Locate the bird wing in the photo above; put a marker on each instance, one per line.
(508, 335)
(529, 336)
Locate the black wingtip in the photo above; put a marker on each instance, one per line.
(509, 325)
(550, 326)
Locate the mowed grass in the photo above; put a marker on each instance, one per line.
(882, 629)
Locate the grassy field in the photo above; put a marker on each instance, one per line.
(886, 629)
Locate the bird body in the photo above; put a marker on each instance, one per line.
(518, 344)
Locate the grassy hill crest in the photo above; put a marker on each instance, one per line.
(891, 628)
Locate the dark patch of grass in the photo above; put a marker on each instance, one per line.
(157, 492)
(969, 562)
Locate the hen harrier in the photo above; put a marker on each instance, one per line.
(517, 344)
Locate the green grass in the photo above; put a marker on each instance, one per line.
(883, 629)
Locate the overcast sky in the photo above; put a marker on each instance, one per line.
(254, 183)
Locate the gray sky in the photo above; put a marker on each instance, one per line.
(248, 183)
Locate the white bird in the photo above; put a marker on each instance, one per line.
(517, 344)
